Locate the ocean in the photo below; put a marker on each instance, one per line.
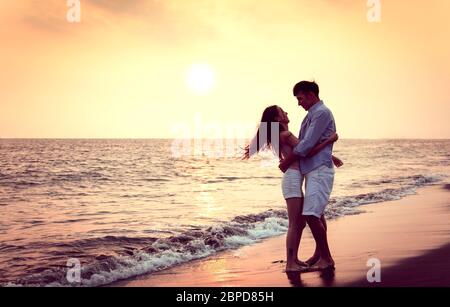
(128, 207)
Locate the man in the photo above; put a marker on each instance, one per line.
(318, 170)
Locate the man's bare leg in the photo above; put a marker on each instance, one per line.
(320, 236)
(316, 256)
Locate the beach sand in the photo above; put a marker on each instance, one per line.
(410, 237)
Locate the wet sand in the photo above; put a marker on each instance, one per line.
(410, 237)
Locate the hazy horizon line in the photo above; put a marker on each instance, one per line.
(160, 138)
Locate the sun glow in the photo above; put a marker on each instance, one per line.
(200, 79)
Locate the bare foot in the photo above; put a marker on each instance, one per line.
(323, 265)
(313, 260)
(295, 268)
(301, 263)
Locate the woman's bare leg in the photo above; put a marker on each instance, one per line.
(296, 225)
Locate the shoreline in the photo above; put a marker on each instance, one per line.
(410, 237)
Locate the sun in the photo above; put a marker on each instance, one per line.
(200, 79)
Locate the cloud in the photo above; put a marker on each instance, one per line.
(48, 16)
(130, 8)
(121, 6)
(173, 22)
(166, 22)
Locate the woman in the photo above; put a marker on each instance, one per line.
(292, 178)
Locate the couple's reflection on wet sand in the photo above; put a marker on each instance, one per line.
(327, 277)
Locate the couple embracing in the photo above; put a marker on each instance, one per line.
(307, 159)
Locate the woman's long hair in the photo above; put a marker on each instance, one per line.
(258, 144)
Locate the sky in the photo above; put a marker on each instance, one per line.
(125, 70)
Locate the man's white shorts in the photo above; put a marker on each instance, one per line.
(318, 187)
